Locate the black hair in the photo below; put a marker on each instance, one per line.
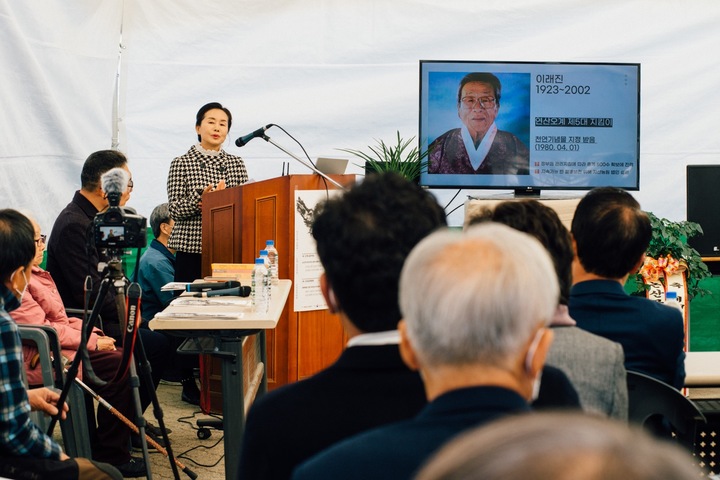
(611, 233)
(206, 108)
(363, 238)
(97, 164)
(543, 223)
(481, 77)
(17, 242)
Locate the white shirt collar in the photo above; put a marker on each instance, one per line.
(390, 337)
(477, 156)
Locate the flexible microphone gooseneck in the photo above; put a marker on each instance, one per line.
(260, 132)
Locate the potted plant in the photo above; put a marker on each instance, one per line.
(670, 238)
(400, 158)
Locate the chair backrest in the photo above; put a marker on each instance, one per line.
(42, 343)
(650, 400)
(74, 428)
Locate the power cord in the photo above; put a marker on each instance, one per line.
(189, 420)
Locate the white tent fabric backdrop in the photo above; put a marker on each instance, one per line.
(86, 75)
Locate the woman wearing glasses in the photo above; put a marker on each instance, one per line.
(478, 147)
(206, 167)
(42, 305)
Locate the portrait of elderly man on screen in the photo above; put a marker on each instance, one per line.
(478, 147)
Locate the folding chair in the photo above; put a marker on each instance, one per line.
(74, 428)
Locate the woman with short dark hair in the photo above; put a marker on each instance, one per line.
(206, 167)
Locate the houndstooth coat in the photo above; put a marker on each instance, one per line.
(188, 176)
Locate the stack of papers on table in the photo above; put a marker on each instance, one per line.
(214, 307)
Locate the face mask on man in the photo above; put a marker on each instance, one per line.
(528, 364)
(13, 301)
(20, 293)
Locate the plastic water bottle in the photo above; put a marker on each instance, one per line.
(268, 278)
(260, 287)
(273, 256)
(671, 300)
(266, 258)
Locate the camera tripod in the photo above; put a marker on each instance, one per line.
(132, 353)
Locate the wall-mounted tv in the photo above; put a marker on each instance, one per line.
(530, 126)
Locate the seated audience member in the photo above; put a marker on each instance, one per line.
(593, 363)
(41, 305)
(363, 238)
(475, 309)
(157, 265)
(610, 235)
(25, 450)
(155, 269)
(72, 256)
(559, 446)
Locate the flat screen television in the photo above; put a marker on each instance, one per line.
(530, 126)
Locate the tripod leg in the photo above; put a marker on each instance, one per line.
(146, 373)
(133, 376)
(73, 371)
(131, 425)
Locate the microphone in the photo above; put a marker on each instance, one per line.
(114, 182)
(235, 292)
(260, 132)
(200, 287)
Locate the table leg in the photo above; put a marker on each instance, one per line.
(232, 390)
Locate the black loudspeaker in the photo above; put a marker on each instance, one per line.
(703, 200)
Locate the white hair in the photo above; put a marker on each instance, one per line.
(478, 296)
(560, 446)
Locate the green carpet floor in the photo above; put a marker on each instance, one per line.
(705, 318)
(704, 315)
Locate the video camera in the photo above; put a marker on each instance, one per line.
(118, 227)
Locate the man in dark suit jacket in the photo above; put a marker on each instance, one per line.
(594, 364)
(611, 235)
(363, 238)
(475, 309)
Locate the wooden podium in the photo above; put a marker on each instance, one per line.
(236, 222)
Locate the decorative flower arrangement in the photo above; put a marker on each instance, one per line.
(669, 253)
(654, 269)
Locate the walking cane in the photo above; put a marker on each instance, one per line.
(133, 427)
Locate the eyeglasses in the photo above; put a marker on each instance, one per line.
(130, 184)
(482, 102)
(40, 240)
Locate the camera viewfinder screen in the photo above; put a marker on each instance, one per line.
(114, 233)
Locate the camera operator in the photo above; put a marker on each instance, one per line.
(73, 255)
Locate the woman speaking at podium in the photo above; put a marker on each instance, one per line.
(206, 167)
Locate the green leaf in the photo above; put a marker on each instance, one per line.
(670, 237)
(400, 157)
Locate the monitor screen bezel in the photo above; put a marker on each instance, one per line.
(486, 65)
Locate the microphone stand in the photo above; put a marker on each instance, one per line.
(305, 163)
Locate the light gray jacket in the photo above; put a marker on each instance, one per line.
(595, 366)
